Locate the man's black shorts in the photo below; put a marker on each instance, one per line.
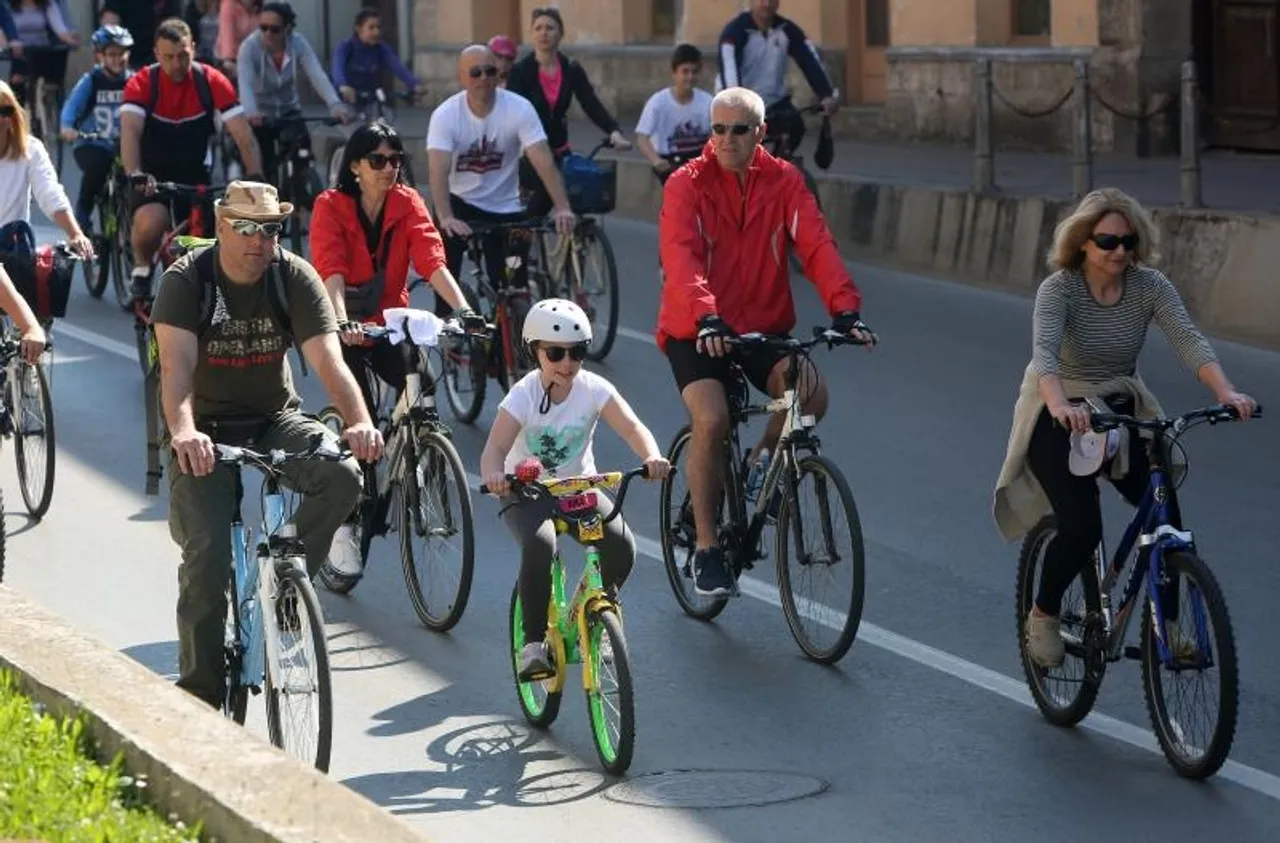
(688, 365)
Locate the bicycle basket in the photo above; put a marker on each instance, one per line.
(592, 185)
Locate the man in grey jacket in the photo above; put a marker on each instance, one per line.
(267, 67)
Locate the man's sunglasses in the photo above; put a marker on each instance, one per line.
(1109, 242)
(272, 28)
(556, 353)
(248, 228)
(738, 129)
(8, 110)
(486, 70)
(378, 161)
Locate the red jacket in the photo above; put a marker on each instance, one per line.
(715, 261)
(338, 245)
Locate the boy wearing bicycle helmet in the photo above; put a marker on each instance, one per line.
(93, 106)
(551, 414)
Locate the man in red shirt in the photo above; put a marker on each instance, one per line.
(728, 219)
(166, 121)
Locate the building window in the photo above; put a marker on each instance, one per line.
(666, 19)
(1031, 19)
(876, 22)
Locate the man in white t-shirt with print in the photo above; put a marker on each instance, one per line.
(676, 122)
(474, 143)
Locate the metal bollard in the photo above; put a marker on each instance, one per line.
(1082, 148)
(1189, 166)
(984, 177)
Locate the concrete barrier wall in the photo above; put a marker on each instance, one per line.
(1225, 265)
(199, 765)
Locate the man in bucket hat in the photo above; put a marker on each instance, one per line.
(223, 335)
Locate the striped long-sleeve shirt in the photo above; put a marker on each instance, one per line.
(1077, 338)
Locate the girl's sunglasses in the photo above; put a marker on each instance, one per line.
(248, 228)
(378, 161)
(556, 353)
(1109, 242)
(738, 129)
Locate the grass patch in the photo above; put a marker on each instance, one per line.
(51, 788)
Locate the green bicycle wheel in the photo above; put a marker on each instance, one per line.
(539, 705)
(612, 710)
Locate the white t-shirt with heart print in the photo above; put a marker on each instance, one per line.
(561, 438)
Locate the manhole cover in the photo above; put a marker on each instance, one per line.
(715, 788)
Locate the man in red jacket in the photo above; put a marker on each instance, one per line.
(728, 219)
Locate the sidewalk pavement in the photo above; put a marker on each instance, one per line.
(1248, 183)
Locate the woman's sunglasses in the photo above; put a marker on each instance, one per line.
(556, 353)
(738, 129)
(248, 228)
(378, 161)
(485, 70)
(1109, 242)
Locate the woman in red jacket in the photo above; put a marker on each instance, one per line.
(364, 234)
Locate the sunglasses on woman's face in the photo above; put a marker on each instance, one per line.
(8, 110)
(248, 228)
(738, 129)
(485, 70)
(1109, 242)
(378, 161)
(556, 353)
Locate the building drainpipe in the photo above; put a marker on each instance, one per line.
(404, 15)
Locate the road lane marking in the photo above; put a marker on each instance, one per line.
(1015, 690)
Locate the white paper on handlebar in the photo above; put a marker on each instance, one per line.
(424, 326)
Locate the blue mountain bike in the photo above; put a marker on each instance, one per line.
(1186, 637)
(288, 657)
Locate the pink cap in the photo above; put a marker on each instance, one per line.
(502, 47)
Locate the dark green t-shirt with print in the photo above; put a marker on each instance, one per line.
(243, 366)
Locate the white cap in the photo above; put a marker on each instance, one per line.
(1090, 450)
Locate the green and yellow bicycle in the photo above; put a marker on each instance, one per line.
(590, 623)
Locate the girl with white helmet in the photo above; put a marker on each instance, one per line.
(551, 414)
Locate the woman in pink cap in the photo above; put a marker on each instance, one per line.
(504, 50)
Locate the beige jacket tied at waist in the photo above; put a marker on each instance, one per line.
(1020, 501)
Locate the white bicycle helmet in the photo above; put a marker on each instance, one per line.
(556, 320)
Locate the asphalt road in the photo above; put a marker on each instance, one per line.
(924, 732)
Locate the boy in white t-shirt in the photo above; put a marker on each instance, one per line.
(475, 140)
(551, 414)
(676, 122)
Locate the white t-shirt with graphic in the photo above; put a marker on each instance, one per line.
(486, 151)
(673, 128)
(561, 438)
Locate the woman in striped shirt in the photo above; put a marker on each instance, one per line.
(1089, 325)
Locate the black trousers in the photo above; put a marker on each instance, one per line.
(95, 166)
(497, 247)
(1077, 505)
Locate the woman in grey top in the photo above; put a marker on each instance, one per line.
(1090, 323)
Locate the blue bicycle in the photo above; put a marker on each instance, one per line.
(273, 583)
(1186, 631)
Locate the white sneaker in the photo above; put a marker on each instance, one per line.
(344, 554)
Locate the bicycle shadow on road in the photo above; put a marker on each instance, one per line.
(27, 523)
(483, 765)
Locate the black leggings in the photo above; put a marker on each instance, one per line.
(1076, 504)
(95, 165)
(535, 532)
(496, 249)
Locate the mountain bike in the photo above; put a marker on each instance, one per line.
(421, 474)
(273, 583)
(111, 238)
(586, 629)
(566, 263)
(1166, 566)
(468, 364)
(795, 459)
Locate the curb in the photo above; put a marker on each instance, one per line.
(199, 765)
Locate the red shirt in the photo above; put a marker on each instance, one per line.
(338, 245)
(179, 102)
(724, 248)
(176, 134)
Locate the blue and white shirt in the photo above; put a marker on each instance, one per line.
(94, 106)
(755, 59)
